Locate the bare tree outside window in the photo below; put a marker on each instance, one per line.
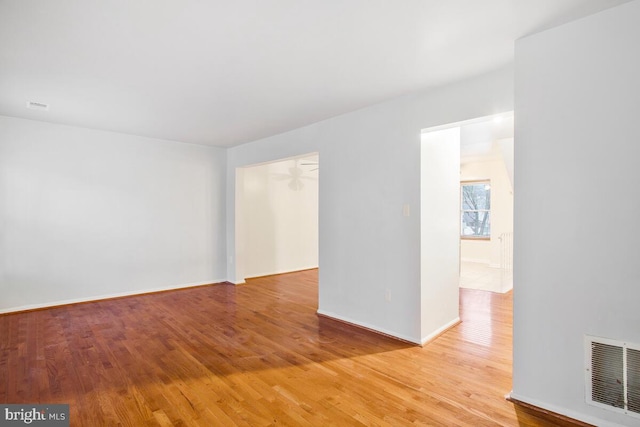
(476, 209)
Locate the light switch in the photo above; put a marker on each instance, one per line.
(406, 209)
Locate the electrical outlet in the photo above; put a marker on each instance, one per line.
(387, 295)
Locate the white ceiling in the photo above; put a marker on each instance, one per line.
(223, 72)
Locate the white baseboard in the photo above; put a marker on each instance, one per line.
(564, 411)
(277, 272)
(440, 331)
(106, 296)
(507, 288)
(365, 325)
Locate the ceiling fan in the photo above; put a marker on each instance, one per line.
(295, 176)
(310, 164)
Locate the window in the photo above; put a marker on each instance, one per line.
(475, 210)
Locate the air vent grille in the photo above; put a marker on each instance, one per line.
(633, 380)
(607, 374)
(613, 375)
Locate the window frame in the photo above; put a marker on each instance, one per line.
(462, 211)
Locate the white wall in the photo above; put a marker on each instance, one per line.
(488, 251)
(576, 210)
(440, 231)
(86, 214)
(279, 225)
(370, 169)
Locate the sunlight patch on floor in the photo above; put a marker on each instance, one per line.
(475, 275)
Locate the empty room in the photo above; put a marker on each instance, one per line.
(249, 213)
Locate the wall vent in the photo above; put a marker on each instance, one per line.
(32, 105)
(613, 375)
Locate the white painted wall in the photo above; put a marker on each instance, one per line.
(279, 225)
(488, 251)
(440, 231)
(370, 169)
(576, 211)
(86, 214)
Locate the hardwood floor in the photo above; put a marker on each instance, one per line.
(256, 355)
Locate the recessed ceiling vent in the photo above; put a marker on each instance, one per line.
(33, 105)
(613, 375)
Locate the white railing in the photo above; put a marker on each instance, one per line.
(506, 251)
(506, 260)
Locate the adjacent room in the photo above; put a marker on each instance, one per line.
(486, 179)
(251, 212)
(277, 217)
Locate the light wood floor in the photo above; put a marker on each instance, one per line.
(255, 355)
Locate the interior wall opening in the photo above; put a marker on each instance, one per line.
(466, 237)
(486, 203)
(277, 217)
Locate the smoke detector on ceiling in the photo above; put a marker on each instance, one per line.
(33, 105)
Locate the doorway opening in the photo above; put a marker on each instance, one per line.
(277, 217)
(486, 203)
